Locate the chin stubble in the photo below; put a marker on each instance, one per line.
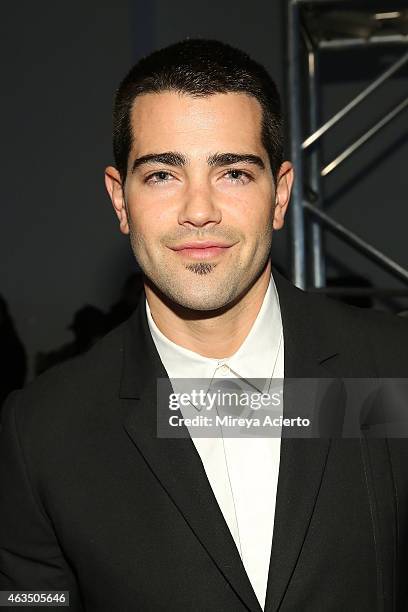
(201, 268)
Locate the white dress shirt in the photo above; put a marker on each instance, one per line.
(242, 471)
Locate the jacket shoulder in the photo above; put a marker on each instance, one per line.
(69, 390)
(384, 334)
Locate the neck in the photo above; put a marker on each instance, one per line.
(212, 335)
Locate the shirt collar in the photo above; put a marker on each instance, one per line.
(255, 357)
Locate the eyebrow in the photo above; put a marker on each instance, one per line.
(173, 158)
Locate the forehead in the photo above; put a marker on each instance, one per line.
(172, 121)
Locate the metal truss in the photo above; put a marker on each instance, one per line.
(313, 26)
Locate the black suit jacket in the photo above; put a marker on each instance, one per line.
(91, 501)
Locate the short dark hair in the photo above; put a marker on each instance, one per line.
(199, 68)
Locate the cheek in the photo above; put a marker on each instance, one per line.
(254, 212)
(147, 217)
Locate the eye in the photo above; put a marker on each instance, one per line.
(238, 176)
(160, 177)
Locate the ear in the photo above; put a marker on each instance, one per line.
(115, 190)
(284, 183)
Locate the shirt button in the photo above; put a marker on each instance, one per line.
(223, 370)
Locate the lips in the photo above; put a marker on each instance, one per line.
(201, 250)
(201, 245)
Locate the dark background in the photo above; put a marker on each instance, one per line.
(60, 243)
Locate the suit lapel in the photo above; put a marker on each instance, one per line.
(302, 461)
(175, 461)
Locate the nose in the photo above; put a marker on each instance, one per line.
(199, 207)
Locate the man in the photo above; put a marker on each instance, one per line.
(93, 501)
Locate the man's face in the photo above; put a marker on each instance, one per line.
(186, 183)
